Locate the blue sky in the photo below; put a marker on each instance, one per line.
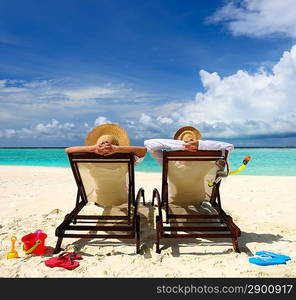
(226, 67)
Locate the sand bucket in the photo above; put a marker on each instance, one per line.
(34, 243)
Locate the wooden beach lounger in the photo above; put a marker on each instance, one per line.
(108, 181)
(192, 208)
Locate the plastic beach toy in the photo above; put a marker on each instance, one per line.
(221, 173)
(242, 167)
(272, 254)
(34, 243)
(12, 253)
(266, 260)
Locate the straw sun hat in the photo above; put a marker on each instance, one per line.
(111, 133)
(186, 133)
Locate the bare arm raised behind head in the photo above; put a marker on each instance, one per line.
(111, 149)
(93, 148)
(106, 148)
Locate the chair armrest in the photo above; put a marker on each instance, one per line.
(141, 190)
(159, 203)
(141, 193)
(156, 194)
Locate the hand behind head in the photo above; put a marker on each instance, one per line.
(105, 148)
(191, 145)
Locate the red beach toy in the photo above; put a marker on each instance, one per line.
(34, 243)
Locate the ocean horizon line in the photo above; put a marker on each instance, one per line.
(263, 147)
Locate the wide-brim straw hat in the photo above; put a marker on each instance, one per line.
(186, 133)
(112, 133)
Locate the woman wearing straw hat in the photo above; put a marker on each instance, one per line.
(108, 139)
(186, 138)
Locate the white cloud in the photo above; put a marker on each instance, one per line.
(2, 83)
(32, 109)
(258, 17)
(92, 92)
(164, 120)
(7, 133)
(242, 96)
(101, 120)
(53, 130)
(147, 126)
(7, 116)
(243, 104)
(145, 119)
(50, 128)
(239, 105)
(54, 91)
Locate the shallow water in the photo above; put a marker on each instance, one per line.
(265, 161)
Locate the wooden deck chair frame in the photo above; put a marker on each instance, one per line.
(168, 228)
(129, 225)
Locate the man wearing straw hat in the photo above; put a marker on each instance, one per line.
(186, 138)
(108, 139)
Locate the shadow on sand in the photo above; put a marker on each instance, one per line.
(148, 238)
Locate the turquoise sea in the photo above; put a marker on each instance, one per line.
(265, 161)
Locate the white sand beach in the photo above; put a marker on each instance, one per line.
(39, 197)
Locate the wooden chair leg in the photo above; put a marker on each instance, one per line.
(235, 245)
(58, 248)
(158, 235)
(138, 241)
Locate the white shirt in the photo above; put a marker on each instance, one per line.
(155, 146)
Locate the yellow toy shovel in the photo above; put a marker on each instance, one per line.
(12, 253)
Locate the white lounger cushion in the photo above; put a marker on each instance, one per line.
(188, 181)
(105, 183)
